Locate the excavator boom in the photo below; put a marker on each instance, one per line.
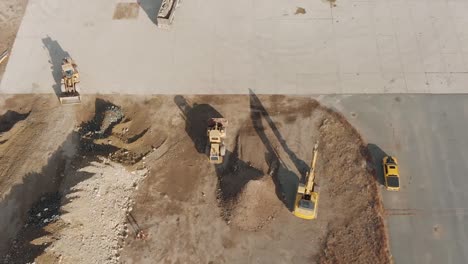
(311, 176)
(305, 206)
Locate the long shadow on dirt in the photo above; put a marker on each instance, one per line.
(33, 204)
(286, 181)
(151, 8)
(10, 118)
(56, 54)
(377, 155)
(38, 200)
(258, 111)
(234, 173)
(196, 120)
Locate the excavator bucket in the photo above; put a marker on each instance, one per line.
(69, 100)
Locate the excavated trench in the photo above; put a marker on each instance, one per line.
(33, 205)
(38, 200)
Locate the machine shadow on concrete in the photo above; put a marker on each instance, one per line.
(151, 8)
(377, 155)
(286, 181)
(56, 56)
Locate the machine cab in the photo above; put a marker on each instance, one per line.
(305, 206)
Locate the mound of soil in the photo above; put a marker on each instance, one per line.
(256, 205)
(262, 163)
(247, 194)
(357, 234)
(80, 215)
(107, 134)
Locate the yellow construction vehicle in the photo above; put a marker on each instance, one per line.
(69, 84)
(216, 134)
(391, 173)
(306, 202)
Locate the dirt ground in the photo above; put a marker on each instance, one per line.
(11, 13)
(122, 179)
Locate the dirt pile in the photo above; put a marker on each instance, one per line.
(357, 234)
(98, 189)
(107, 134)
(256, 205)
(246, 188)
(95, 172)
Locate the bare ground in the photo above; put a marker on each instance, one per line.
(11, 14)
(126, 166)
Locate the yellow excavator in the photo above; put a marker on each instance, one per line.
(216, 133)
(69, 84)
(305, 206)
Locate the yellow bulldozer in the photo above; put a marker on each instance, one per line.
(216, 133)
(305, 206)
(70, 83)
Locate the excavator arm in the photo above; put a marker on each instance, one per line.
(311, 174)
(305, 206)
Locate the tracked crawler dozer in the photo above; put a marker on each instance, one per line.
(70, 83)
(216, 134)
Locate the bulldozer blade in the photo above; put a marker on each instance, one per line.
(69, 100)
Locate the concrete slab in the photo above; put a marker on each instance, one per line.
(427, 219)
(226, 47)
(417, 83)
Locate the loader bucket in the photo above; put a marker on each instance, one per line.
(69, 100)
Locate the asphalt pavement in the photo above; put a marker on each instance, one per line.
(428, 218)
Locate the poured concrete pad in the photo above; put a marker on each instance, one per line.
(221, 46)
(427, 218)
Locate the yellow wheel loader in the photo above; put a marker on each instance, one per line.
(305, 206)
(69, 85)
(216, 134)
